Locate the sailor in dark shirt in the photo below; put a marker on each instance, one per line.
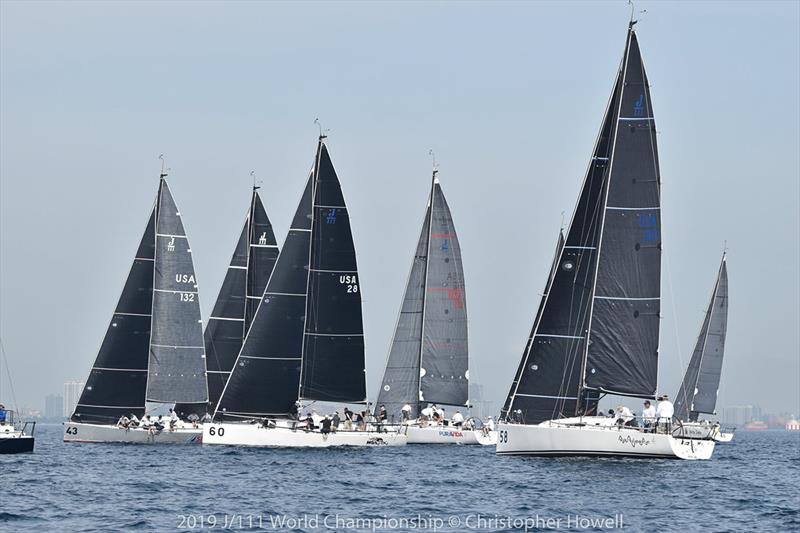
(326, 425)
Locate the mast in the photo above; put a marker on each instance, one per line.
(435, 171)
(314, 186)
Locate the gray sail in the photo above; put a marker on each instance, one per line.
(622, 352)
(400, 385)
(698, 392)
(177, 368)
(444, 363)
(118, 378)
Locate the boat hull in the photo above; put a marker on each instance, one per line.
(558, 439)
(448, 435)
(699, 430)
(16, 444)
(246, 434)
(95, 433)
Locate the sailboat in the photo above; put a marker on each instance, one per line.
(428, 361)
(15, 436)
(698, 392)
(597, 329)
(245, 280)
(152, 353)
(306, 340)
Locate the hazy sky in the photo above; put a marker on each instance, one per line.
(509, 95)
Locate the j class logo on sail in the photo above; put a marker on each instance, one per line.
(350, 281)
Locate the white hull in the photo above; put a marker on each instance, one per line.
(700, 430)
(723, 436)
(79, 432)
(449, 435)
(253, 434)
(565, 438)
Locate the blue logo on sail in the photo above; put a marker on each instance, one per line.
(331, 218)
(638, 106)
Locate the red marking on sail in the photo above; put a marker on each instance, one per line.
(454, 295)
(440, 236)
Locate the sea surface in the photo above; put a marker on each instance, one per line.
(750, 484)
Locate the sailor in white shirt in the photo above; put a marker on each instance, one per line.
(624, 415)
(489, 424)
(664, 410)
(406, 412)
(458, 419)
(427, 414)
(648, 414)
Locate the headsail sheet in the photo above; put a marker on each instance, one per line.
(623, 348)
(117, 381)
(333, 345)
(698, 392)
(400, 385)
(177, 368)
(264, 380)
(444, 372)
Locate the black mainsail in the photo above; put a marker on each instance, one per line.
(428, 361)
(306, 338)
(152, 349)
(245, 280)
(597, 331)
(698, 392)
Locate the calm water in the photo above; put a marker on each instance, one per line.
(750, 483)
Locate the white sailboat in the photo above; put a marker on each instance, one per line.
(428, 363)
(596, 332)
(152, 354)
(698, 392)
(306, 342)
(15, 436)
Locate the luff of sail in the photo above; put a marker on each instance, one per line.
(242, 289)
(117, 381)
(177, 368)
(698, 392)
(333, 366)
(265, 376)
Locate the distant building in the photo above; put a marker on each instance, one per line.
(54, 406)
(792, 425)
(740, 415)
(72, 392)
